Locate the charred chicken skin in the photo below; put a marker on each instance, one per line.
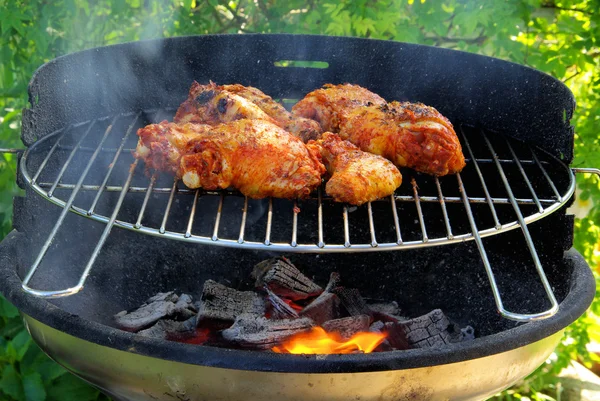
(214, 104)
(257, 157)
(330, 105)
(409, 134)
(162, 145)
(356, 177)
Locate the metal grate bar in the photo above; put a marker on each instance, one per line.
(419, 211)
(295, 209)
(215, 235)
(486, 192)
(530, 245)
(269, 223)
(50, 153)
(320, 244)
(503, 161)
(402, 198)
(70, 158)
(346, 228)
(138, 223)
(526, 178)
(444, 210)
(396, 221)
(113, 163)
(91, 149)
(168, 208)
(550, 182)
(188, 231)
(481, 248)
(371, 225)
(106, 232)
(243, 223)
(57, 225)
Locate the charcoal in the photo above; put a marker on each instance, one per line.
(396, 336)
(326, 306)
(261, 333)
(284, 279)
(164, 296)
(467, 333)
(171, 329)
(389, 308)
(222, 303)
(386, 311)
(377, 327)
(334, 281)
(281, 310)
(353, 301)
(185, 308)
(347, 326)
(428, 331)
(145, 316)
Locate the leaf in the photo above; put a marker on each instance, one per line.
(21, 343)
(71, 388)
(33, 387)
(6, 308)
(50, 370)
(10, 353)
(10, 383)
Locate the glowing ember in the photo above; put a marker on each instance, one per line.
(318, 341)
(294, 306)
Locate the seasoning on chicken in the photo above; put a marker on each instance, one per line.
(409, 134)
(161, 145)
(211, 104)
(356, 177)
(331, 104)
(257, 157)
(214, 104)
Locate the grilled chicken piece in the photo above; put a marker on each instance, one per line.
(409, 134)
(357, 177)
(161, 145)
(255, 156)
(331, 104)
(212, 104)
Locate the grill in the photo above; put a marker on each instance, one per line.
(81, 181)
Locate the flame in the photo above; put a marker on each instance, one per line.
(318, 341)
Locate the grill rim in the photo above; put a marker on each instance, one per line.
(578, 299)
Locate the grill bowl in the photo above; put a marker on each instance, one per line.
(128, 366)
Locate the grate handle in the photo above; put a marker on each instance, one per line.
(11, 150)
(583, 170)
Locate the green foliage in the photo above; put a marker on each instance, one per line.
(26, 373)
(558, 37)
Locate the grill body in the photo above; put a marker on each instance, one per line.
(129, 376)
(469, 89)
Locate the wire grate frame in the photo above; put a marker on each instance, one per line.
(89, 169)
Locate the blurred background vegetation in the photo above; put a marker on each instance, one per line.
(561, 38)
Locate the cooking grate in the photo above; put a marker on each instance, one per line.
(88, 168)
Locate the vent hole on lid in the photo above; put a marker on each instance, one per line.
(301, 64)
